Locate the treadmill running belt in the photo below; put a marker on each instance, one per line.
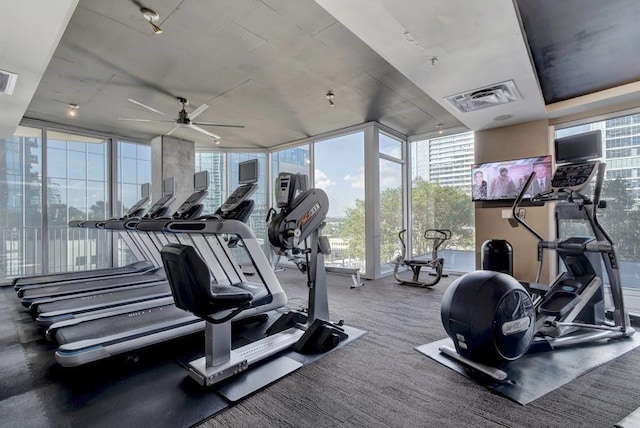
(81, 287)
(94, 273)
(130, 322)
(112, 298)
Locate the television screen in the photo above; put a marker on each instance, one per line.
(503, 180)
(248, 171)
(200, 181)
(168, 186)
(579, 147)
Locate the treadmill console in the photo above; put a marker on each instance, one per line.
(161, 206)
(241, 193)
(288, 186)
(191, 201)
(574, 176)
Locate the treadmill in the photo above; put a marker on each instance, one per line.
(31, 293)
(136, 267)
(67, 292)
(101, 335)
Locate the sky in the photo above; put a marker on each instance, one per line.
(339, 171)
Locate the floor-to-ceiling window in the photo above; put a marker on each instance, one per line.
(77, 189)
(215, 163)
(133, 169)
(339, 171)
(391, 196)
(441, 198)
(621, 189)
(257, 221)
(71, 173)
(21, 203)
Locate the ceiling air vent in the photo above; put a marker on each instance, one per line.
(7, 82)
(489, 96)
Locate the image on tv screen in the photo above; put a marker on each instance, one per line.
(503, 180)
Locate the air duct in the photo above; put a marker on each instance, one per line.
(489, 96)
(7, 82)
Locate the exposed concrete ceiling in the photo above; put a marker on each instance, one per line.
(268, 64)
(29, 34)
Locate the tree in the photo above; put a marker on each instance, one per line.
(353, 230)
(441, 207)
(434, 206)
(620, 219)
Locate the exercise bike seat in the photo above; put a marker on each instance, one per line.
(191, 286)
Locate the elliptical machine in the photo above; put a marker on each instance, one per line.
(492, 318)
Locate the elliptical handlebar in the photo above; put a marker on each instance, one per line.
(516, 205)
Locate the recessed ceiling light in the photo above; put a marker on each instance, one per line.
(503, 117)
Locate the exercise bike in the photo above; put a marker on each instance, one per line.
(219, 303)
(492, 318)
(437, 237)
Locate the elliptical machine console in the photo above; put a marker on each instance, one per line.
(492, 318)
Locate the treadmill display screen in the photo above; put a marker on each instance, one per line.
(168, 186)
(200, 181)
(248, 171)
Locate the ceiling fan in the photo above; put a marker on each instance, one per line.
(184, 120)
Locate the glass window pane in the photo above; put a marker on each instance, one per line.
(339, 171)
(621, 190)
(56, 162)
(390, 212)
(129, 173)
(215, 163)
(294, 160)
(97, 166)
(98, 149)
(21, 204)
(144, 171)
(390, 146)
(143, 152)
(441, 198)
(256, 221)
(77, 165)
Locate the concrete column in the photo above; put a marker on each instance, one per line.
(172, 157)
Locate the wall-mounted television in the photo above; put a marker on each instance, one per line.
(503, 180)
(579, 147)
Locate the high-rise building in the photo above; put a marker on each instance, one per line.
(444, 160)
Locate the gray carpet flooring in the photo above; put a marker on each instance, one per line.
(381, 381)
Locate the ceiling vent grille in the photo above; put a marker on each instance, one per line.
(489, 96)
(7, 82)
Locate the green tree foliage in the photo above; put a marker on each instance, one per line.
(434, 206)
(620, 219)
(441, 207)
(353, 230)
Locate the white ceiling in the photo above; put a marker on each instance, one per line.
(267, 65)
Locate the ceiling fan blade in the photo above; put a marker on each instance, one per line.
(217, 124)
(205, 132)
(198, 111)
(143, 120)
(173, 130)
(146, 106)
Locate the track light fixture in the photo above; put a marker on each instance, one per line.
(73, 109)
(330, 98)
(151, 16)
